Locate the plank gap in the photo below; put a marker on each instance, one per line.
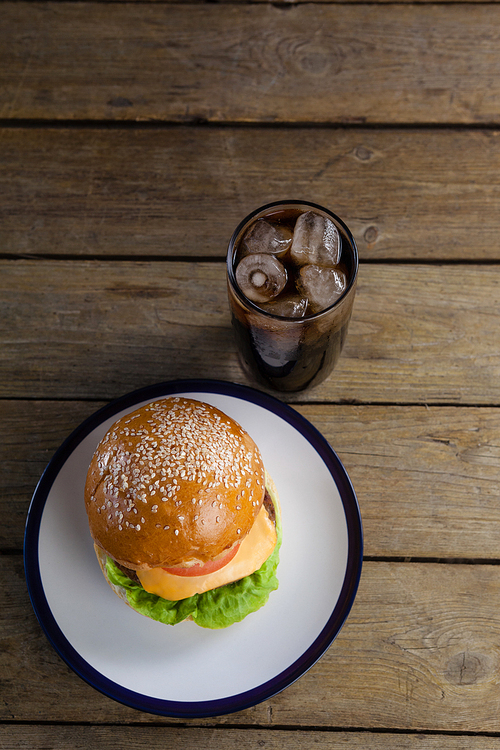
(393, 261)
(231, 728)
(432, 560)
(20, 123)
(492, 562)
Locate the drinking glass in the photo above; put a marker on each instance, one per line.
(290, 353)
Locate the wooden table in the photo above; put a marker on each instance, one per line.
(133, 138)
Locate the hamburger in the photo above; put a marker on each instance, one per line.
(184, 517)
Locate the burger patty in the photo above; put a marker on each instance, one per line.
(268, 504)
(128, 572)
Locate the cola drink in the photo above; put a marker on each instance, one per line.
(291, 272)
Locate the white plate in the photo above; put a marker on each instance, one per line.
(185, 670)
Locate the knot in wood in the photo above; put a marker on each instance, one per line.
(467, 668)
(371, 235)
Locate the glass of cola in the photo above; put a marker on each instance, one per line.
(291, 272)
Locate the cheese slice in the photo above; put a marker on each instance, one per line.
(252, 553)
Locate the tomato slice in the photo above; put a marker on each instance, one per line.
(203, 569)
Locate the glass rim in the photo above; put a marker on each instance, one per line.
(252, 305)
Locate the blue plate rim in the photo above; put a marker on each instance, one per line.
(240, 701)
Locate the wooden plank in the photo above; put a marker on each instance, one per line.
(250, 63)
(31, 433)
(329, 2)
(181, 191)
(426, 478)
(419, 334)
(181, 317)
(418, 652)
(28, 737)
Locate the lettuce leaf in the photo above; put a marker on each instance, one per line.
(218, 608)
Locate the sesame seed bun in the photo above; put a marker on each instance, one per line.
(175, 482)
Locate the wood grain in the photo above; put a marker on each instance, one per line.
(31, 433)
(419, 334)
(419, 651)
(426, 478)
(250, 63)
(292, 2)
(180, 192)
(28, 737)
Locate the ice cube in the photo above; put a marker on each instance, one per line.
(260, 277)
(316, 241)
(264, 237)
(287, 307)
(322, 286)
